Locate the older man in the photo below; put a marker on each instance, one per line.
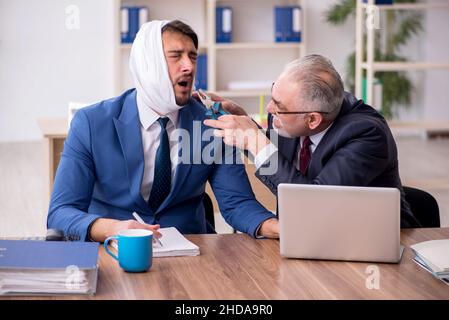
(325, 135)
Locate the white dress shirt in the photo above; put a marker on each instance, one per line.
(151, 131)
(269, 149)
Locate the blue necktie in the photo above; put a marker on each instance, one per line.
(162, 169)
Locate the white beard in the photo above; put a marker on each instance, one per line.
(281, 131)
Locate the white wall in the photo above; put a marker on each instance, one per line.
(436, 44)
(336, 43)
(43, 65)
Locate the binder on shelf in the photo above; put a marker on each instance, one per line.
(48, 267)
(288, 23)
(223, 24)
(132, 19)
(201, 72)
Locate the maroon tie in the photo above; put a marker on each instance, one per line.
(304, 155)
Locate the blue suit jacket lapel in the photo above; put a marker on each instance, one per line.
(128, 130)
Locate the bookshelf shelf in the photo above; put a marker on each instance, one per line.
(403, 66)
(368, 46)
(257, 45)
(371, 66)
(243, 93)
(411, 6)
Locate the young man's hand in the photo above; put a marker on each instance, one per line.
(104, 228)
(269, 229)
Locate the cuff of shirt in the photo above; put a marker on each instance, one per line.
(264, 154)
(257, 232)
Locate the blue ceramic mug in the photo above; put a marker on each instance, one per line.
(135, 249)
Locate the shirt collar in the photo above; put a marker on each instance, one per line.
(148, 116)
(316, 138)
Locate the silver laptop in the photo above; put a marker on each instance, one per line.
(339, 223)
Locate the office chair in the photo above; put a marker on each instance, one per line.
(424, 207)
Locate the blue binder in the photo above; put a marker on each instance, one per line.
(48, 267)
(201, 72)
(131, 19)
(27, 254)
(287, 23)
(223, 24)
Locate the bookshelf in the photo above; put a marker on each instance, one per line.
(252, 56)
(372, 66)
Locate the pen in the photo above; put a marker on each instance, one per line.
(140, 220)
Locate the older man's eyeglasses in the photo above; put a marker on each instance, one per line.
(277, 103)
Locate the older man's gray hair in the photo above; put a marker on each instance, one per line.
(320, 85)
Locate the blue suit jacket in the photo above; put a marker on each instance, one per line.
(357, 150)
(102, 166)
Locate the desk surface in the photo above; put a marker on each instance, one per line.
(238, 267)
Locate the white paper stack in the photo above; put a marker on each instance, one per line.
(174, 244)
(433, 256)
(44, 282)
(249, 85)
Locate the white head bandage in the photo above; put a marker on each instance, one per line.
(149, 70)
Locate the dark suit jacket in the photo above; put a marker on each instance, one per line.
(357, 150)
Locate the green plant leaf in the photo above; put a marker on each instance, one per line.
(409, 26)
(339, 13)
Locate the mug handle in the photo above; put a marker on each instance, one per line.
(106, 246)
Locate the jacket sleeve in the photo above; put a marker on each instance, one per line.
(357, 161)
(74, 182)
(236, 199)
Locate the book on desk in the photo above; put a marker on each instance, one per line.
(48, 267)
(433, 256)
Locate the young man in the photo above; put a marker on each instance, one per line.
(123, 155)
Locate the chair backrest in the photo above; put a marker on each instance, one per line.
(209, 210)
(424, 207)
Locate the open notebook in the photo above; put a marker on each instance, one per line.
(173, 244)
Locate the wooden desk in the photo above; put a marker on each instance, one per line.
(236, 266)
(54, 131)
